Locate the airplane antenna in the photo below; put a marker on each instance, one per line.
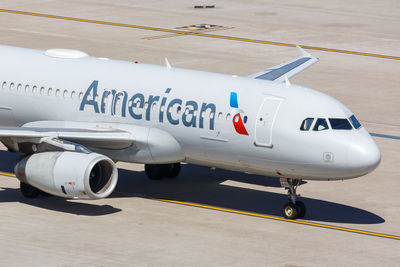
(168, 65)
(287, 81)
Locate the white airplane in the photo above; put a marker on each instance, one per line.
(73, 116)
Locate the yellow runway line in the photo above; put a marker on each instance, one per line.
(182, 34)
(197, 34)
(326, 226)
(7, 174)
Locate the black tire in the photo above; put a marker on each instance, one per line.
(290, 211)
(28, 190)
(172, 170)
(153, 171)
(301, 209)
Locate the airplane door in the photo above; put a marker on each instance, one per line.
(265, 121)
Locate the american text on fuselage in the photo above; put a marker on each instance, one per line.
(139, 107)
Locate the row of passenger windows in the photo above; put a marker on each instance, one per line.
(41, 90)
(49, 91)
(335, 123)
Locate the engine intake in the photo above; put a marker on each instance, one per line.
(69, 174)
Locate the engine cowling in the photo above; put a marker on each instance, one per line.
(69, 174)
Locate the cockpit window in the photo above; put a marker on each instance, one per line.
(355, 122)
(306, 124)
(340, 124)
(321, 125)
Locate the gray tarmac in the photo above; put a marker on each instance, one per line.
(136, 226)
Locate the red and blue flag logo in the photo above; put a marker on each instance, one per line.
(237, 118)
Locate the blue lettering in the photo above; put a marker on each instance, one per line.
(190, 114)
(141, 104)
(162, 107)
(92, 102)
(103, 101)
(169, 111)
(152, 99)
(204, 107)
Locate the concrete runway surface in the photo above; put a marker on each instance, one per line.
(219, 218)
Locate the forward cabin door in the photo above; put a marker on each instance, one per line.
(265, 121)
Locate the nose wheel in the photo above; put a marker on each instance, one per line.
(293, 209)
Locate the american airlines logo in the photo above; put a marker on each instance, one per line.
(175, 111)
(237, 118)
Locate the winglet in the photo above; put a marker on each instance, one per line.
(289, 68)
(303, 52)
(167, 64)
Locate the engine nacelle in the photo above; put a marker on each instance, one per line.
(69, 174)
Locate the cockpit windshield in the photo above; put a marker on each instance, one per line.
(355, 122)
(320, 125)
(340, 124)
(306, 124)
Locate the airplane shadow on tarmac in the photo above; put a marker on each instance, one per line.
(198, 185)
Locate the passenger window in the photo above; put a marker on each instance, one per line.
(355, 122)
(306, 124)
(19, 87)
(340, 124)
(49, 91)
(80, 96)
(321, 125)
(4, 85)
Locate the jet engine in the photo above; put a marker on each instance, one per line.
(69, 174)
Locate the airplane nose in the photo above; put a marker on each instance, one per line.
(364, 155)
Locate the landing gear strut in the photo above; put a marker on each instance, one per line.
(293, 209)
(158, 171)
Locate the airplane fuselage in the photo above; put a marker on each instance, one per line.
(217, 120)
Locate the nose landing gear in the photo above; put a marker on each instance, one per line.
(293, 209)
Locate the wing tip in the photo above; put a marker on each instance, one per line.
(303, 52)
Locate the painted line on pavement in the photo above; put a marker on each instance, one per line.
(326, 226)
(197, 34)
(385, 136)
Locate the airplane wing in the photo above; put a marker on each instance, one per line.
(99, 137)
(288, 69)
